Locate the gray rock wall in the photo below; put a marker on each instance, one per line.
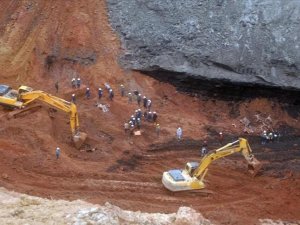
(240, 41)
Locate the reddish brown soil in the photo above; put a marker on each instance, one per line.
(45, 41)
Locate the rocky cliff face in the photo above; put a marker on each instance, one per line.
(236, 41)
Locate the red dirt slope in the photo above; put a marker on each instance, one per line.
(42, 42)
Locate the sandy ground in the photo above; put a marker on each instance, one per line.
(42, 42)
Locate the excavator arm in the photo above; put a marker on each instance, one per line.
(193, 175)
(240, 145)
(61, 104)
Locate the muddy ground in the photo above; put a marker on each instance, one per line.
(37, 50)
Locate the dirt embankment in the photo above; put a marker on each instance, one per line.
(49, 41)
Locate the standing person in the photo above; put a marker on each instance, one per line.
(87, 93)
(56, 86)
(100, 93)
(179, 133)
(73, 82)
(110, 94)
(157, 130)
(138, 123)
(139, 99)
(57, 152)
(139, 113)
(154, 117)
(145, 102)
(126, 127)
(73, 98)
(129, 97)
(107, 86)
(221, 137)
(122, 90)
(149, 104)
(78, 82)
(149, 116)
(204, 149)
(264, 137)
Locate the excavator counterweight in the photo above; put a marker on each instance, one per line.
(192, 176)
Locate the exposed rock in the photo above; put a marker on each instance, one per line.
(23, 209)
(246, 41)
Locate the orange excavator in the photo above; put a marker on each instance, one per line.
(26, 95)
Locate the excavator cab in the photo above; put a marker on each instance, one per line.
(24, 89)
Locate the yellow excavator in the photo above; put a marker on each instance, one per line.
(191, 178)
(25, 95)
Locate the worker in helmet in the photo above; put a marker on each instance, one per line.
(100, 93)
(73, 82)
(111, 94)
(157, 130)
(145, 102)
(73, 98)
(129, 97)
(78, 82)
(122, 90)
(264, 137)
(87, 93)
(139, 99)
(57, 152)
(179, 133)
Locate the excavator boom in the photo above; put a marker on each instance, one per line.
(193, 175)
(25, 95)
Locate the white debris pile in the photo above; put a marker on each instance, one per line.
(277, 222)
(110, 214)
(18, 209)
(23, 209)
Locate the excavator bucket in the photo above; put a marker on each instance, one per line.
(79, 139)
(254, 167)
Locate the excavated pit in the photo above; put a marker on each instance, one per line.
(224, 90)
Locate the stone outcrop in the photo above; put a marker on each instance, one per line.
(248, 42)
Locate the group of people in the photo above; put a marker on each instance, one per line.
(269, 137)
(76, 84)
(135, 121)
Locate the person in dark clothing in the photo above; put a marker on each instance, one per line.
(139, 113)
(78, 82)
(111, 94)
(139, 99)
(154, 117)
(138, 123)
(87, 93)
(145, 102)
(56, 86)
(73, 98)
(150, 117)
(203, 150)
(122, 90)
(145, 115)
(73, 82)
(100, 93)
